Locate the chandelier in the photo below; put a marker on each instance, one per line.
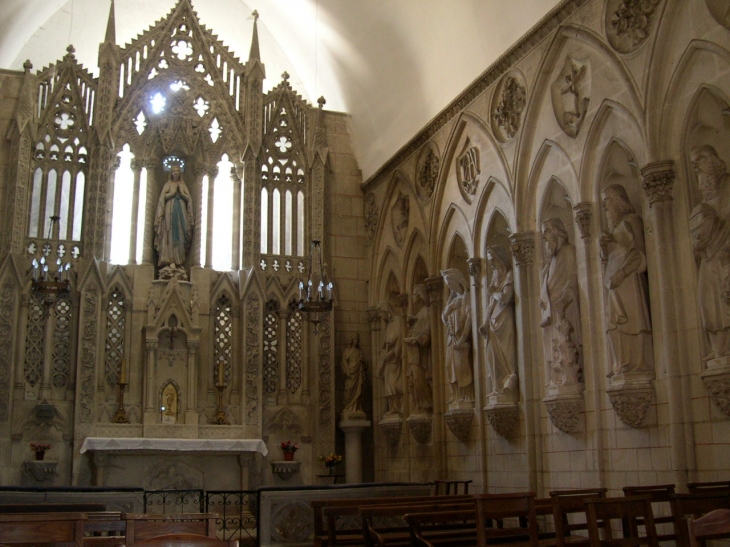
(48, 285)
(316, 294)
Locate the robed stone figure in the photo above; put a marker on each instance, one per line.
(174, 222)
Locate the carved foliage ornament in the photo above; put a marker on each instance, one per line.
(508, 104)
(399, 215)
(459, 422)
(571, 91)
(631, 405)
(523, 248)
(628, 23)
(565, 413)
(420, 426)
(7, 309)
(583, 213)
(89, 334)
(504, 420)
(468, 168)
(717, 382)
(253, 318)
(291, 522)
(391, 429)
(371, 216)
(658, 179)
(427, 171)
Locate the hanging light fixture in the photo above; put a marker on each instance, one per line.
(49, 285)
(316, 294)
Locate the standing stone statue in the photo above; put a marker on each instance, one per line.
(390, 361)
(628, 322)
(499, 328)
(559, 293)
(457, 318)
(353, 367)
(418, 355)
(174, 222)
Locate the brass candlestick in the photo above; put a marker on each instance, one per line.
(121, 416)
(220, 416)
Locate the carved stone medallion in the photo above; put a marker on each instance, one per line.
(371, 216)
(504, 419)
(629, 22)
(420, 425)
(427, 171)
(571, 91)
(720, 10)
(291, 522)
(399, 215)
(391, 428)
(566, 412)
(468, 168)
(459, 422)
(508, 104)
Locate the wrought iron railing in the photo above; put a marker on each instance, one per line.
(238, 510)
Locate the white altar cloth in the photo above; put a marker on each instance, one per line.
(130, 444)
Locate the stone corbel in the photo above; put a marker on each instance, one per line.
(504, 418)
(41, 471)
(420, 425)
(631, 396)
(391, 427)
(566, 410)
(459, 422)
(717, 382)
(285, 469)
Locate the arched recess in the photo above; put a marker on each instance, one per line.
(470, 131)
(495, 198)
(416, 260)
(613, 80)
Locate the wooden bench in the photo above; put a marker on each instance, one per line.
(42, 528)
(700, 487)
(713, 525)
(661, 497)
(145, 526)
(331, 511)
(455, 528)
(385, 525)
(450, 487)
(602, 511)
(686, 506)
(567, 504)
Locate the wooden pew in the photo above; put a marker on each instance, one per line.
(145, 526)
(186, 540)
(686, 506)
(571, 502)
(330, 511)
(661, 497)
(42, 528)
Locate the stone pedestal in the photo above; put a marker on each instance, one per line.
(353, 448)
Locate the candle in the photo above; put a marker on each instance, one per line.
(220, 375)
(123, 372)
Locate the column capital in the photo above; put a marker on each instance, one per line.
(583, 215)
(435, 286)
(658, 179)
(523, 247)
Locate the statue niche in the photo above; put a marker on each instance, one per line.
(174, 223)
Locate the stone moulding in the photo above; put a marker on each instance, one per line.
(459, 422)
(391, 427)
(566, 412)
(717, 382)
(420, 425)
(504, 419)
(631, 402)
(285, 469)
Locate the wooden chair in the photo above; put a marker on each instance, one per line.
(511, 507)
(713, 525)
(567, 504)
(601, 512)
(185, 540)
(448, 486)
(661, 497)
(42, 528)
(146, 526)
(700, 487)
(686, 506)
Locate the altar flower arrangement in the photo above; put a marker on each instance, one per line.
(330, 460)
(40, 449)
(289, 448)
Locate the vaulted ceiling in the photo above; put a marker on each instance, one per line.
(391, 64)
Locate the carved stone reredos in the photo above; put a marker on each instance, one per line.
(504, 419)
(459, 422)
(566, 412)
(166, 298)
(391, 428)
(717, 382)
(420, 425)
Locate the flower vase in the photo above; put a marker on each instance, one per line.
(288, 455)
(331, 470)
(39, 455)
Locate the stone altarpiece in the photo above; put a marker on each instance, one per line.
(203, 354)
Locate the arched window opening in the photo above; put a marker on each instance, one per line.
(223, 216)
(300, 223)
(204, 218)
(288, 223)
(35, 202)
(122, 207)
(276, 222)
(141, 217)
(264, 221)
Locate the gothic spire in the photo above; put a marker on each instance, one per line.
(255, 54)
(111, 27)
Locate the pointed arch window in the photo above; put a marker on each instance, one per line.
(122, 207)
(223, 209)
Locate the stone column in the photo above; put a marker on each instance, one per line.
(212, 174)
(150, 399)
(236, 239)
(658, 179)
(523, 249)
(136, 169)
(109, 197)
(23, 327)
(150, 209)
(353, 448)
(200, 202)
(435, 286)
